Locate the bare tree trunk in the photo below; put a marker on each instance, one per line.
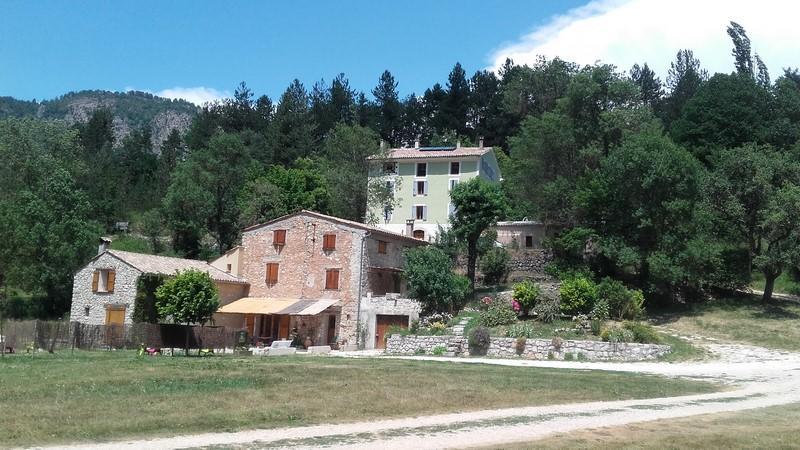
(472, 257)
(769, 286)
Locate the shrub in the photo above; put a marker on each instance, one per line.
(500, 313)
(431, 279)
(600, 310)
(494, 265)
(440, 317)
(190, 297)
(596, 326)
(519, 346)
(526, 293)
(520, 330)
(642, 332)
(578, 295)
(623, 303)
(547, 309)
(437, 328)
(439, 350)
(616, 335)
(479, 341)
(568, 357)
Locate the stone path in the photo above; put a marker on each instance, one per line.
(759, 378)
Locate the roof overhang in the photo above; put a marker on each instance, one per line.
(263, 305)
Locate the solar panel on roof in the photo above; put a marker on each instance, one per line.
(434, 149)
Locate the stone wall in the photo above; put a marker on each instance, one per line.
(534, 348)
(90, 307)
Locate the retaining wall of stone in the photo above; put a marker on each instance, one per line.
(533, 349)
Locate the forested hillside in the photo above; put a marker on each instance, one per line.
(676, 186)
(132, 110)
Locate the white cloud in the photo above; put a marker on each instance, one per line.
(624, 32)
(197, 95)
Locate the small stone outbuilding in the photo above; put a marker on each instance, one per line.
(104, 291)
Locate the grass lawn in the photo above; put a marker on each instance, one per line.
(107, 395)
(773, 428)
(742, 319)
(783, 283)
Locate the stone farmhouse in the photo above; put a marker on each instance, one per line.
(305, 274)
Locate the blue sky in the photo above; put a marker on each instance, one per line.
(51, 47)
(202, 49)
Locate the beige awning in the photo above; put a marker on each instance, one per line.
(263, 305)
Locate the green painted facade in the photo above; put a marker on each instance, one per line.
(436, 184)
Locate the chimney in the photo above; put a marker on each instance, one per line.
(409, 227)
(104, 244)
(458, 143)
(416, 142)
(480, 142)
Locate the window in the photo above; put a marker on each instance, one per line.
(420, 187)
(420, 212)
(390, 168)
(452, 184)
(228, 268)
(329, 242)
(382, 245)
(422, 169)
(419, 234)
(272, 274)
(103, 280)
(279, 237)
(332, 279)
(387, 213)
(86, 311)
(528, 241)
(455, 168)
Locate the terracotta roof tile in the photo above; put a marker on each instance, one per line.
(166, 265)
(434, 152)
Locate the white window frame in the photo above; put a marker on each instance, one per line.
(424, 187)
(416, 170)
(424, 212)
(452, 183)
(450, 168)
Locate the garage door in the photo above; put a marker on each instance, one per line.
(382, 325)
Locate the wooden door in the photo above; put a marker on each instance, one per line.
(115, 326)
(250, 324)
(283, 327)
(331, 329)
(115, 316)
(382, 325)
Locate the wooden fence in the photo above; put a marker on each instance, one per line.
(28, 335)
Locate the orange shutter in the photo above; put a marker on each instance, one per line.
(279, 237)
(332, 279)
(95, 280)
(112, 275)
(272, 273)
(329, 242)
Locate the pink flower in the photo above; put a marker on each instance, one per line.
(486, 300)
(515, 305)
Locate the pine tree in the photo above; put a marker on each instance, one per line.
(388, 105)
(293, 127)
(457, 102)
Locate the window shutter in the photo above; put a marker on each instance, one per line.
(426, 188)
(332, 279)
(272, 273)
(112, 275)
(415, 188)
(413, 212)
(424, 213)
(95, 280)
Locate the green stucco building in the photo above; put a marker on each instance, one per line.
(421, 179)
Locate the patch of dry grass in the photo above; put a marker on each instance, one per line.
(107, 395)
(743, 319)
(772, 428)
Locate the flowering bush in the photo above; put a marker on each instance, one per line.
(515, 306)
(525, 294)
(486, 302)
(428, 321)
(500, 313)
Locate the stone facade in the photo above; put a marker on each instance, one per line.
(90, 307)
(302, 265)
(534, 348)
(391, 304)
